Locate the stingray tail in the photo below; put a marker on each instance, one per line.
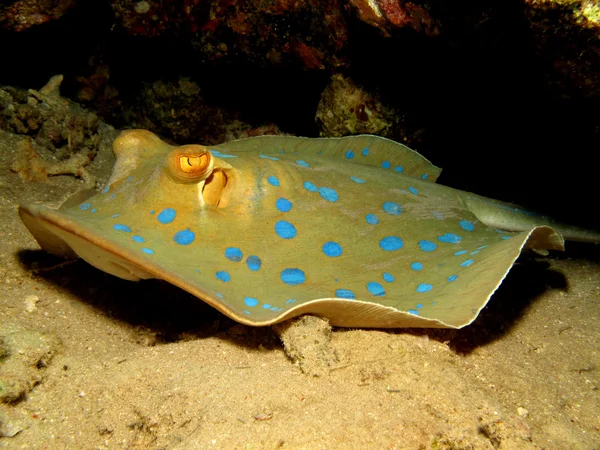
(510, 217)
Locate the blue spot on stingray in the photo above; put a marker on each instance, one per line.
(152, 212)
(460, 252)
(85, 206)
(332, 249)
(386, 164)
(291, 300)
(121, 227)
(105, 190)
(345, 293)
(424, 287)
(137, 238)
(272, 158)
(474, 252)
(233, 254)
(148, 251)
(328, 194)
(438, 215)
(450, 238)
(266, 306)
(223, 276)
(419, 305)
(251, 302)
(375, 289)
(219, 295)
(247, 312)
(94, 210)
(482, 247)
(166, 216)
(399, 169)
(392, 208)
(302, 163)
(505, 237)
(112, 196)
(424, 176)
(184, 237)
(273, 180)
(372, 219)
(114, 216)
(413, 190)
(427, 246)
(349, 154)
(466, 263)
(388, 277)
(253, 262)
(310, 187)
(358, 180)
(451, 278)
(222, 155)
(129, 178)
(293, 277)
(365, 151)
(391, 243)
(285, 230)
(466, 225)
(283, 204)
(414, 312)
(416, 266)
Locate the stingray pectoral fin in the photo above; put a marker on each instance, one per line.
(545, 238)
(77, 198)
(450, 305)
(48, 240)
(357, 314)
(67, 244)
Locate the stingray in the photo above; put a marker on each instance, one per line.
(264, 229)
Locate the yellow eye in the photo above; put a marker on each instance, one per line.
(189, 164)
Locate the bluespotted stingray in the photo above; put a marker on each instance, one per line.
(264, 229)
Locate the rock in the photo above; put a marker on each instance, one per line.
(389, 16)
(307, 342)
(346, 108)
(22, 15)
(312, 33)
(566, 35)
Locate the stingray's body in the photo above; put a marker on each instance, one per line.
(264, 229)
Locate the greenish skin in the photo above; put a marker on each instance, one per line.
(246, 216)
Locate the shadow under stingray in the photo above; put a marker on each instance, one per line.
(150, 306)
(527, 280)
(172, 314)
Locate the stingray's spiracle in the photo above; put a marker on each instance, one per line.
(189, 164)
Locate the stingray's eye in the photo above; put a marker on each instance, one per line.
(189, 164)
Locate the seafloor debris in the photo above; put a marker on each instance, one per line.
(30, 165)
(24, 355)
(60, 137)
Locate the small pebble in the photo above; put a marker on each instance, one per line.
(31, 303)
